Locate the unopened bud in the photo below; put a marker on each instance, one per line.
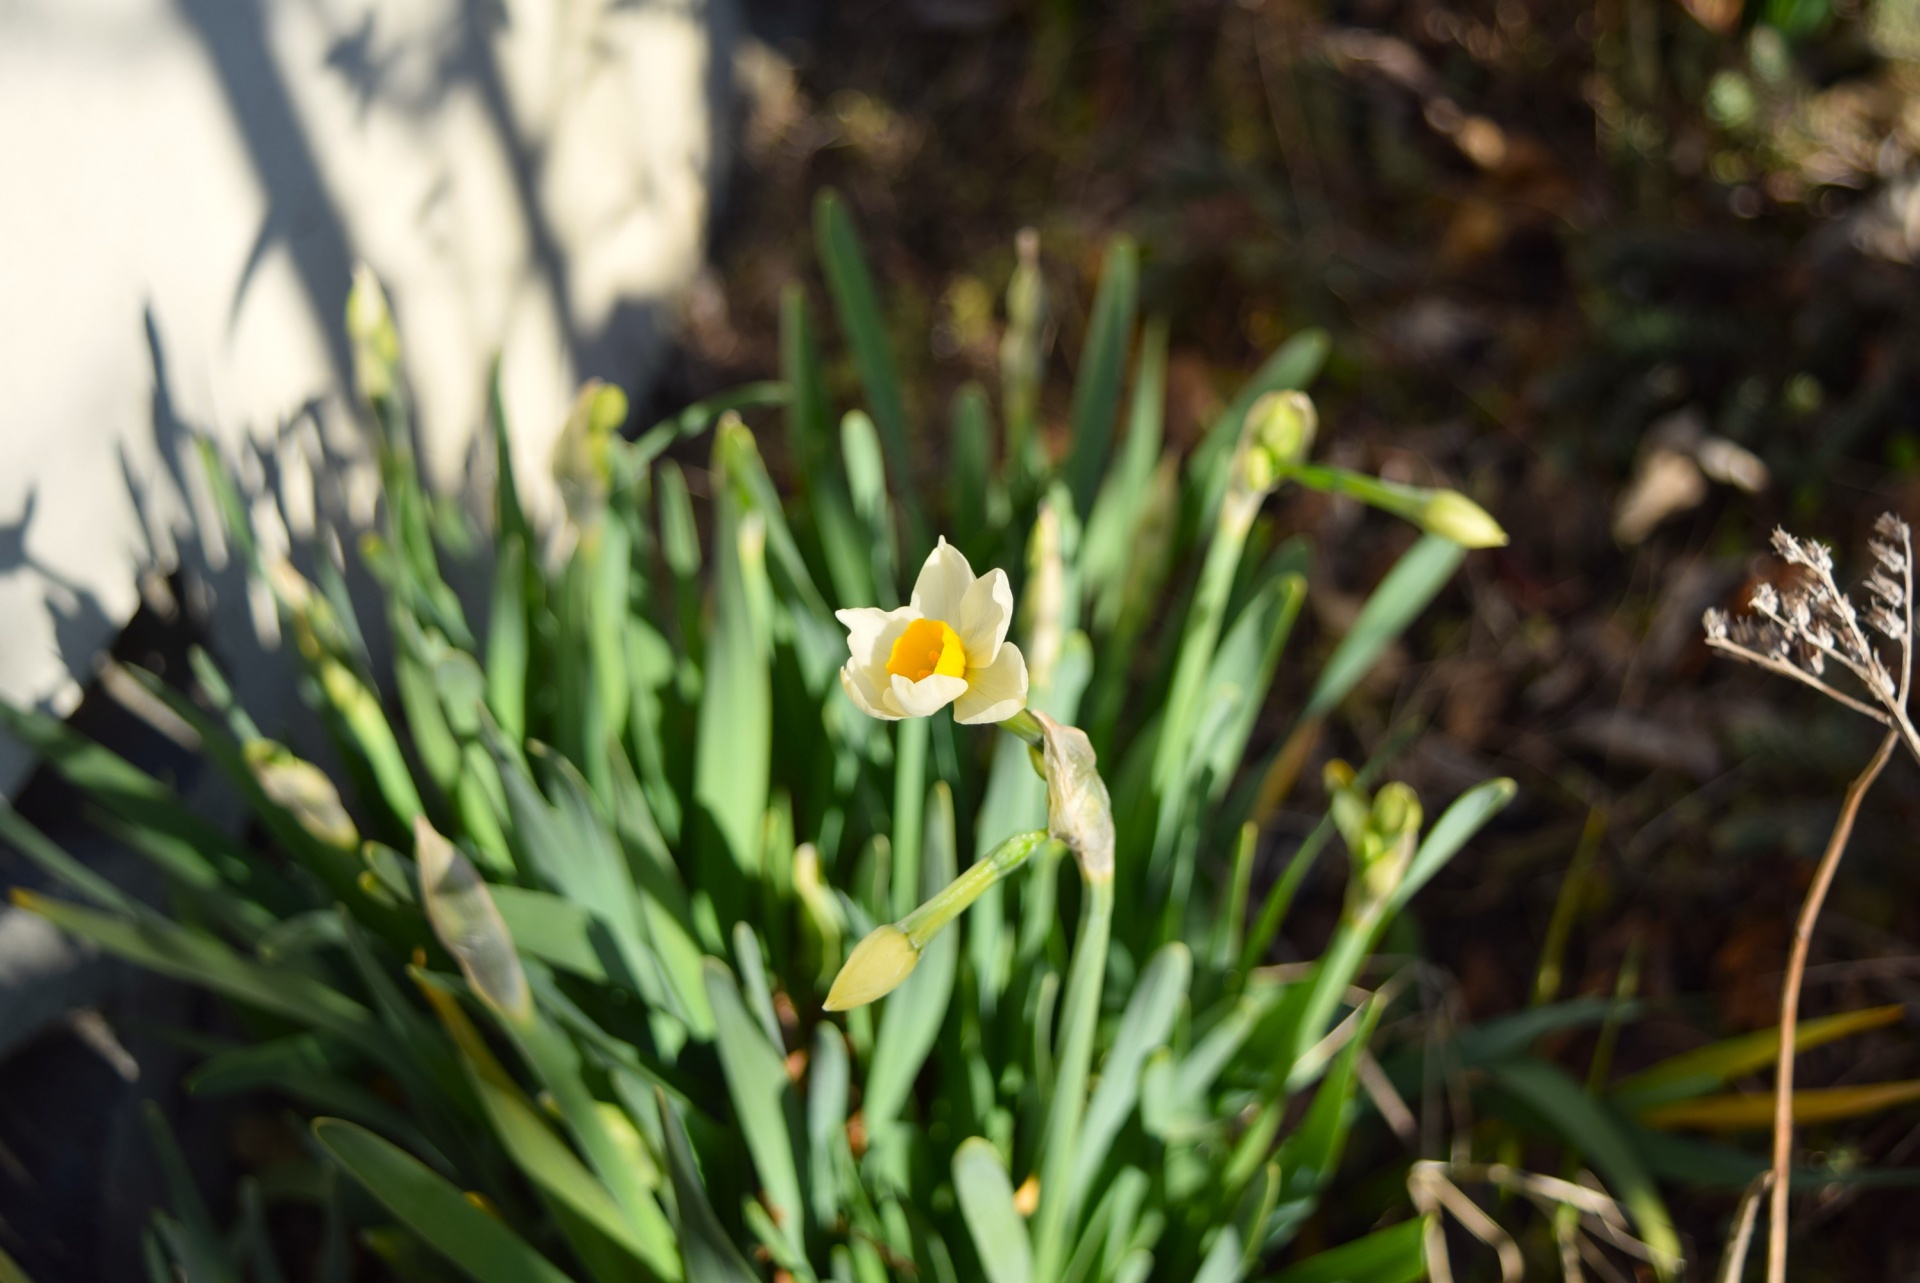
(1283, 425)
(878, 965)
(1452, 515)
(1396, 810)
(376, 344)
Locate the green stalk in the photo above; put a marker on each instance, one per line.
(1052, 1221)
(1447, 513)
(1352, 944)
(927, 921)
(909, 802)
(1202, 634)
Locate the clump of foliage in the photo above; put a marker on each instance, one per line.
(548, 964)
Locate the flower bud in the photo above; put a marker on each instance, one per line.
(1452, 515)
(1283, 425)
(877, 966)
(1396, 810)
(376, 344)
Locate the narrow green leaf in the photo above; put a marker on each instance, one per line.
(434, 1209)
(1393, 1255)
(735, 736)
(697, 418)
(1053, 1221)
(413, 663)
(762, 1095)
(1110, 549)
(1222, 1263)
(256, 1240)
(1096, 391)
(543, 1156)
(1414, 581)
(602, 1134)
(809, 416)
(552, 928)
(1144, 1026)
(1453, 830)
(911, 1018)
(986, 1203)
(510, 520)
(972, 458)
(865, 326)
(709, 1255)
(1699, 1071)
(1311, 1154)
(827, 1086)
(314, 1071)
(872, 508)
(197, 1242)
(202, 856)
(1241, 673)
(202, 960)
(753, 981)
(10, 1271)
(1592, 1129)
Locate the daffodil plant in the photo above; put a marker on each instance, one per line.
(561, 956)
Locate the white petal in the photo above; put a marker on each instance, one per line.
(985, 612)
(943, 583)
(871, 632)
(928, 695)
(996, 692)
(868, 700)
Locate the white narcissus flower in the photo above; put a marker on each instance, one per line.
(948, 647)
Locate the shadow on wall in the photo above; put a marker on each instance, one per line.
(87, 1043)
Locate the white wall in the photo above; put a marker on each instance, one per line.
(187, 185)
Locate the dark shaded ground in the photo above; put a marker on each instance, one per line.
(1559, 248)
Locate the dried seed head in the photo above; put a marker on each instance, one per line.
(1887, 622)
(1889, 556)
(1765, 600)
(1715, 622)
(1891, 527)
(1886, 590)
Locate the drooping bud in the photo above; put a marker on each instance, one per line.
(1452, 515)
(878, 965)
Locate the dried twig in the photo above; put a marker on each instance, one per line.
(1790, 1004)
(1795, 633)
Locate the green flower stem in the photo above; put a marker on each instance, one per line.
(888, 954)
(1203, 633)
(1351, 946)
(1388, 496)
(927, 921)
(1025, 725)
(909, 801)
(1447, 513)
(1052, 1220)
